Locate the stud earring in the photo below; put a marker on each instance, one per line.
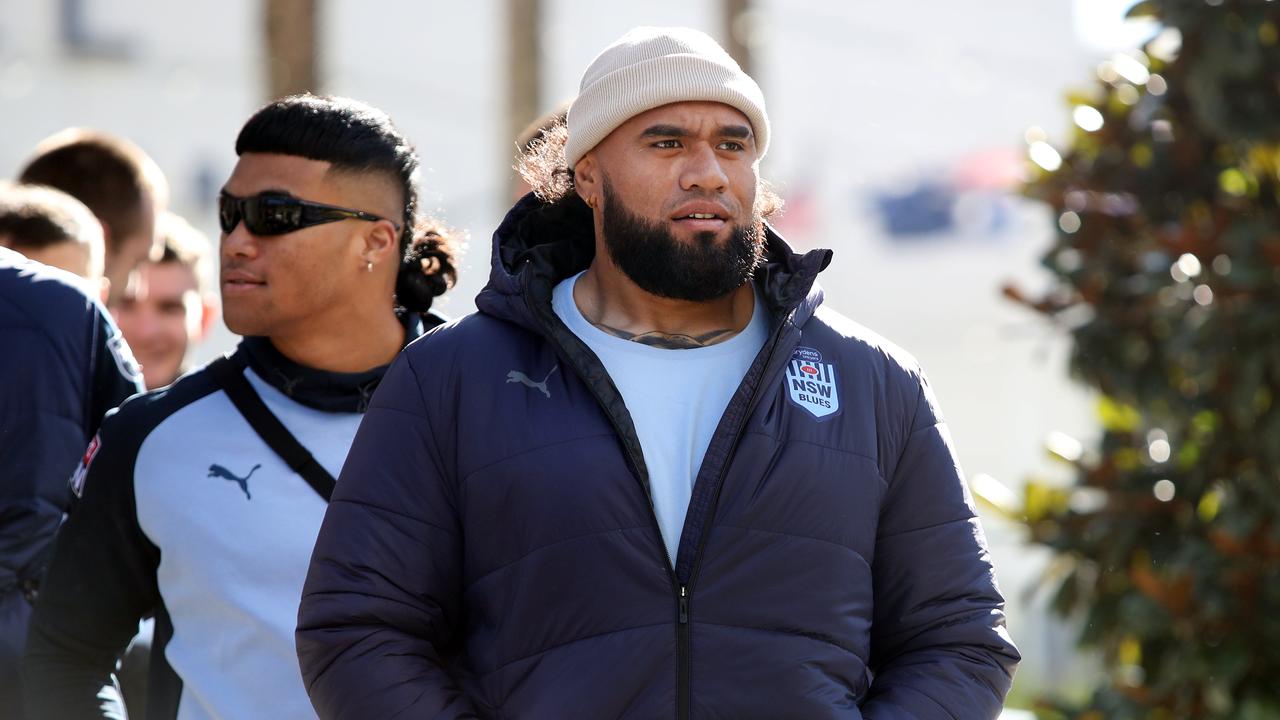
(368, 266)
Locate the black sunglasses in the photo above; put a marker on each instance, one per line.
(274, 214)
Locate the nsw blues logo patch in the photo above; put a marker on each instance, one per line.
(811, 383)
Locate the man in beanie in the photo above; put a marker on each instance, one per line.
(653, 477)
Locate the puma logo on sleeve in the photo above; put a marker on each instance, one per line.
(517, 376)
(216, 470)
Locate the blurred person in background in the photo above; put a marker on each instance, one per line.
(118, 182)
(168, 309)
(64, 366)
(202, 500)
(39, 239)
(653, 476)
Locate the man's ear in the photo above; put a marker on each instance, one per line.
(586, 179)
(381, 242)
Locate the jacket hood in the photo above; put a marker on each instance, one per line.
(538, 245)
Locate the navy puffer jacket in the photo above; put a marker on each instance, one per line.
(491, 550)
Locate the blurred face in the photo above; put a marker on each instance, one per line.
(161, 318)
(300, 282)
(130, 251)
(676, 188)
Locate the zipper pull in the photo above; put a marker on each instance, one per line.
(684, 605)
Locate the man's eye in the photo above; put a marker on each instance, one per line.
(731, 145)
(667, 144)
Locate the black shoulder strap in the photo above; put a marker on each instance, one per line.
(230, 376)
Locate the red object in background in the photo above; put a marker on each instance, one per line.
(1001, 168)
(799, 217)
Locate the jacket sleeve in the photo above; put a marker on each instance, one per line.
(939, 648)
(380, 607)
(100, 583)
(114, 374)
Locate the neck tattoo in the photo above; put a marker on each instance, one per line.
(670, 341)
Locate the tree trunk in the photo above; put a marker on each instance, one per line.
(290, 29)
(738, 32)
(524, 66)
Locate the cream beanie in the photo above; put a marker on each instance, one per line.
(650, 67)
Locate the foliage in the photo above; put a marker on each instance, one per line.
(1167, 272)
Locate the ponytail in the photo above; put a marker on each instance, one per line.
(427, 266)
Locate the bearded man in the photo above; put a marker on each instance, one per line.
(653, 476)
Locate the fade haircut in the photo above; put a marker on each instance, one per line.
(354, 137)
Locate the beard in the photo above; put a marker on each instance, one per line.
(658, 263)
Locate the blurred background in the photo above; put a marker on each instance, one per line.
(905, 136)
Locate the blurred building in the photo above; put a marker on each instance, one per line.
(898, 132)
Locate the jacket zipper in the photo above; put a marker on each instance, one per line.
(684, 669)
(684, 631)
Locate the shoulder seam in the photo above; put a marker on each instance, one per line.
(139, 416)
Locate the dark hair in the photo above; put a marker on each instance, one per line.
(34, 217)
(544, 167)
(355, 137)
(110, 175)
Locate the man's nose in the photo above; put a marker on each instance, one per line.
(147, 324)
(239, 242)
(702, 169)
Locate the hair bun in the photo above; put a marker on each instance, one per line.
(427, 268)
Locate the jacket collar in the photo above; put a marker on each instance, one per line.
(320, 389)
(538, 245)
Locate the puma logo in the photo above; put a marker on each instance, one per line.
(225, 474)
(517, 376)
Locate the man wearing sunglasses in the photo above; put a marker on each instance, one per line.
(200, 502)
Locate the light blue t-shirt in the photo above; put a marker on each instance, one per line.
(675, 397)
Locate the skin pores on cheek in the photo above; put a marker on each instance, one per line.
(311, 280)
(307, 275)
(683, 159)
